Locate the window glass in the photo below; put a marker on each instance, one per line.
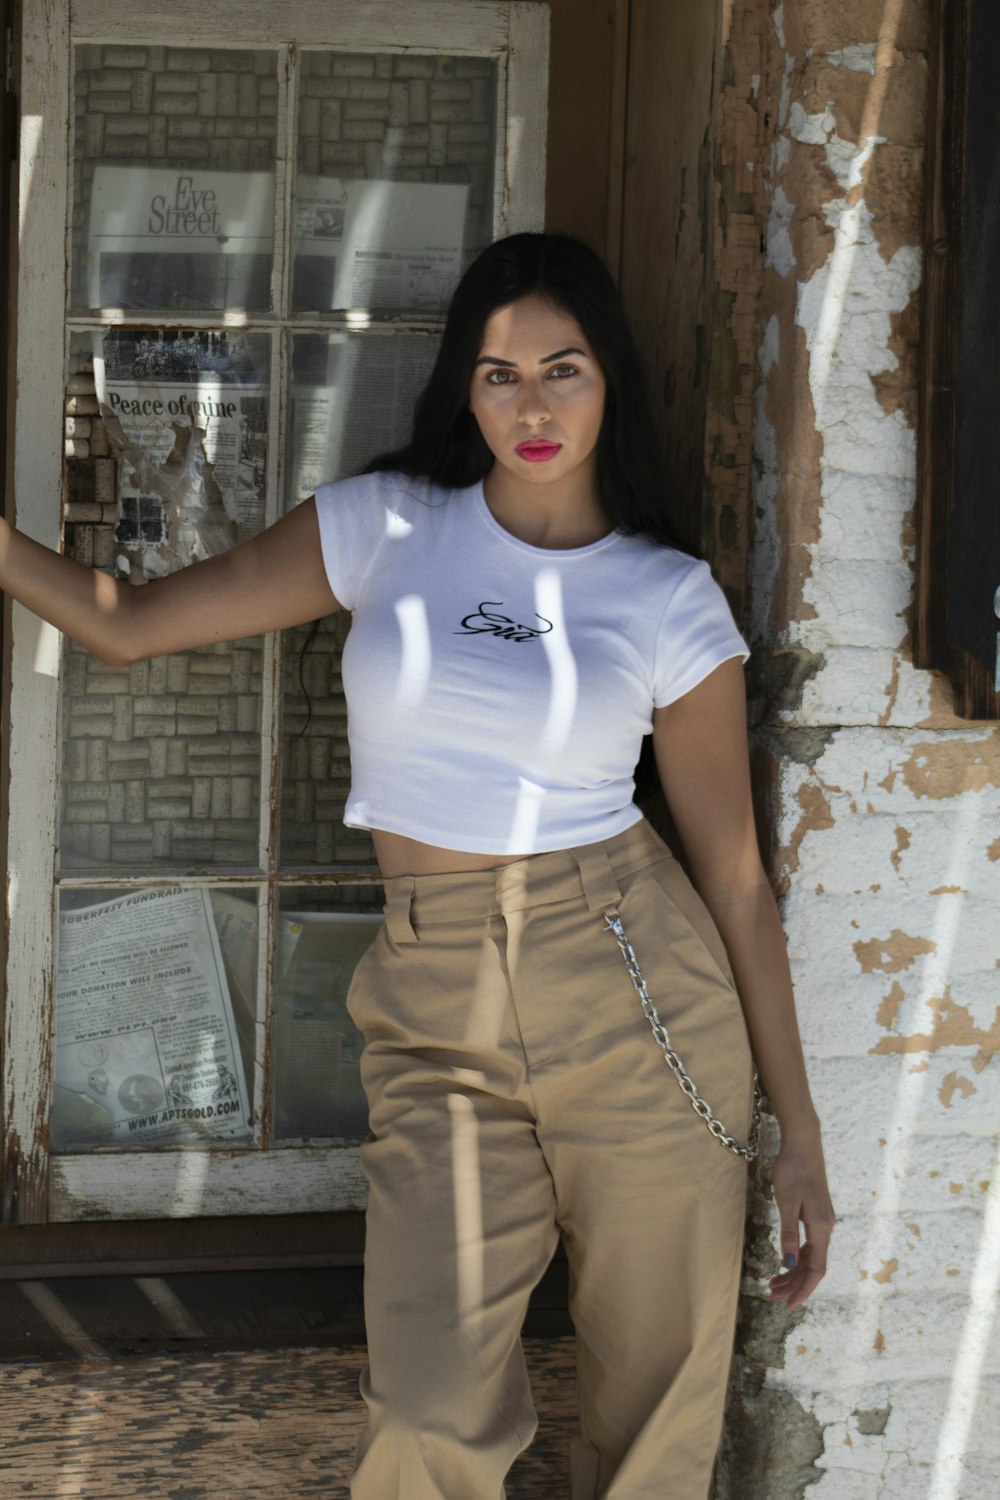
(352, 398)
(394, 192)
(155, 1014)
(173, 178)
(166, 455)
(322, 935)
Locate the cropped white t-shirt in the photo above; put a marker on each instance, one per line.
(497, 693)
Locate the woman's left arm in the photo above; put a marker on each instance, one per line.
(702, 757)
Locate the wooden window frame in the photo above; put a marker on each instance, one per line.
(958, 519)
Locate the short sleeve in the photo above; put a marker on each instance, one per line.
(696, 634)
(352, 523)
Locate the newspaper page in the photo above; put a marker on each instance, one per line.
(180, 238)
(376, 244)
(187, 415)
(146, 1043)
(352, 398)
(318, 1091)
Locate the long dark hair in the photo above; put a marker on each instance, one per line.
(446, 445)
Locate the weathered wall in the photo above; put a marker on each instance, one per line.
(883, 806)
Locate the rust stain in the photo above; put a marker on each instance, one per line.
(889, 780)
(889, 1008)
(903, 842)
(952, 1084)
(898, 951)
(949, 890)
(878, 1343)
(984, 1184)
(955, 1188)
(947, 768)
(888, 1271)
(993, 852)
(953, 1026)
(953, 1271)
(915, 1230)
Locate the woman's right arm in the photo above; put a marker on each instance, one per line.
(274, 581)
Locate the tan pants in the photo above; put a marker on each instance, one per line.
(517, 1094)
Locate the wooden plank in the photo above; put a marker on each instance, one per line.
(251, 1423)
(527, 110)
(667, 229)
(148, 1246)
(32, 765)
(186, 1184)
(583, 36)
(477, 27)
(944, 355)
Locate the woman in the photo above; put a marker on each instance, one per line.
(521, 619)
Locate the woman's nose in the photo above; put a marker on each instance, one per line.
(532, 404)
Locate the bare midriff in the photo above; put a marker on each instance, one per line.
(398, 855)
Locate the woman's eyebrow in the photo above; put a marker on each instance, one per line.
(509, 364)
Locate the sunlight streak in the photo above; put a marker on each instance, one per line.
(562, 663)
(55, 1312)
(170, 1307)
(973, 1345)
(468, 1200)
(415, 666)
(882, 1244)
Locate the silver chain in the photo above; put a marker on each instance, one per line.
(698, 1104)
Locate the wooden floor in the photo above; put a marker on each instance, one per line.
(237, 1425)
(179, 1388)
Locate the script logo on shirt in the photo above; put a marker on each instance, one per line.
(485, 621)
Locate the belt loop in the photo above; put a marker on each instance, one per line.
(600, 887)
(399, 896)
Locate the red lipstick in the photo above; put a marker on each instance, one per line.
(537, 450)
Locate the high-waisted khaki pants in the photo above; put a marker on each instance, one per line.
(517, 1095)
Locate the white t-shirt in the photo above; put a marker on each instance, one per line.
(497, 693)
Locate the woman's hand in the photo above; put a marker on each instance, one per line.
(802, 1197)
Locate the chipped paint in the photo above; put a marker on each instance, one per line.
(891, 954)
(953, 1026)
(885, 853)
(953, 1084)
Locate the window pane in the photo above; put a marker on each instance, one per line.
(174, 178)
(317, 1047)
(155, 1018)
(166, 451)
(352, 398)
(394, 192)
(315, 765)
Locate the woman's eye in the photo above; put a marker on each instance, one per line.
(499, 377)
(562, 371)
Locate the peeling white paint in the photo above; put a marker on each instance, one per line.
(778, 244)
(857, 59)
(892, 840)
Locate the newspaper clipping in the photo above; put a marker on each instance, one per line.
(161, 237)
(352, 398)
(187, 414)
(387, 245)
(146, 1044)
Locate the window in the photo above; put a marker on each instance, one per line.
(263, 227)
